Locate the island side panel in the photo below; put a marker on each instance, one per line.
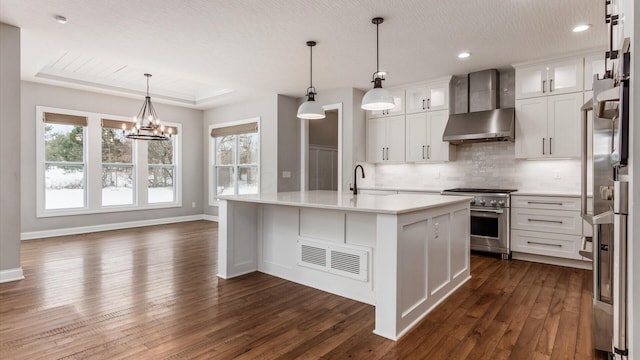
(428, 261)
(238, 235)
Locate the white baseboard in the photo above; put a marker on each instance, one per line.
(579, 264)
(115, 226)
(11, 275)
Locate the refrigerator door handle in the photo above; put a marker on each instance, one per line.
(588, 106)
(620, 285)
(604, 218)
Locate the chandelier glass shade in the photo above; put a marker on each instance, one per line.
(148, 126)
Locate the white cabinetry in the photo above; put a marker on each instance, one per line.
(385, 139)
(424, 137)
(547, 226)
(548, 126)
(432, 96)
(398, 109)
(550, 78)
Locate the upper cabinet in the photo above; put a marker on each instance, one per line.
(398, 109)
(550, 78)
(385, 139)
(432, 96)
(424, 137)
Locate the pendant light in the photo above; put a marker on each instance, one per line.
(310, 109)
(378, 98)
(148, 125)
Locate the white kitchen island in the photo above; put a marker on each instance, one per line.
(402, 253)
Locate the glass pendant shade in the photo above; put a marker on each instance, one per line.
(311, 110)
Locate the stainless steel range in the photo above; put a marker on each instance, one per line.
(490, 216)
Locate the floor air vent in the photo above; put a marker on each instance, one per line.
(340, 260)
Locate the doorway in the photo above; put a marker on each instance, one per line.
(321, 151)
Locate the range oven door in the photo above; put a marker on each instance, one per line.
(489, 230)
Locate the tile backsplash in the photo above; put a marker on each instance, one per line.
(488, 165)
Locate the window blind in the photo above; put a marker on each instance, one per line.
(235, 130)
(65, 119)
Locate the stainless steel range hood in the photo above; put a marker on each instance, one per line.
(484, 121)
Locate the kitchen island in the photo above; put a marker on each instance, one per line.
(402, 253)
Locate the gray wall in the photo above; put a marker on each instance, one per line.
(325, 132)
(9, 147)
(46, 95)
(288, 144)
(267, 109)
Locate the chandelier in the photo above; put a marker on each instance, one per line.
(148, 125)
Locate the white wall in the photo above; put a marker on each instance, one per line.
(10, 153)
(34, 94)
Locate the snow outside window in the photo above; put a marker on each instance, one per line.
(64, 166)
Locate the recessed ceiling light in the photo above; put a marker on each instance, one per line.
(61, 19)
(581, 28)
(463, 55)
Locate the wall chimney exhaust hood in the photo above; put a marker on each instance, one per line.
(484, 121)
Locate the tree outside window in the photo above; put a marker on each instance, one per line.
(161, 178)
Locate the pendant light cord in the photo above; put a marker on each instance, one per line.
(377, 50)
(311, 66)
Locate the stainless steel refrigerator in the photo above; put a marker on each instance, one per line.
(608, 214)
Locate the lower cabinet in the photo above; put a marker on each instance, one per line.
(547, 227)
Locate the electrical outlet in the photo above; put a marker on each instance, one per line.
(436, 230)
(193, 204)
(556, 175)
(286, 174)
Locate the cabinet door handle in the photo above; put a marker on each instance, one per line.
(550, 152)
(540, 243)
(550, 85)
(428, 151)
(423, 150)
(428, 103)
(387, 153)
(548, 221)
(544, 203)
(423, 108)
(544, 84)
(382, 153)
(542, 146)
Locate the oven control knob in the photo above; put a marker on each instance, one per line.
(501, 203)
(482, 202)
(493, 203)
(473, 202)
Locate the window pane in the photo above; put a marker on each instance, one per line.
(248, 180)
(115, 147)
(160, 151)
(117, 185)
(64, 186)
(248, 150)
(225, 146)
(63, 142)
(161, 184)
(225, 180)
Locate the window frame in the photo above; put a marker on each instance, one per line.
(93, 167)
(236, 166)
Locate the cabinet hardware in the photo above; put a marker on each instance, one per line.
(423, 108)
(423, 150)
(428, 103)
(387, 153)
(544, 83)
(540, 243)
(428, 151)
(550, 85)
(550, 151)
(549, 221)
(382, 153)
(544, 203)
(542, 146)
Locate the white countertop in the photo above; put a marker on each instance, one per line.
(381, 204)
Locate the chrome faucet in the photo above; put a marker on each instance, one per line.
(354, 188)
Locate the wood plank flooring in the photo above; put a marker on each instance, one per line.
(152, 293)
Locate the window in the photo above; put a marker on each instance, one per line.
(85, 164)
(117, 165)
(64, 163)
(235, 153)
(161, 171)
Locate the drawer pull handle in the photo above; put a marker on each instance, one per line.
(549, 221)
(539, 243)
(544, 203)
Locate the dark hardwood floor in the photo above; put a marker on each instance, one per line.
(152, 293)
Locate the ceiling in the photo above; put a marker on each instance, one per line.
(207, 53)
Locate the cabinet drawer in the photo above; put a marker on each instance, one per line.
(555, 221)
(558, 245)
(545, 202)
